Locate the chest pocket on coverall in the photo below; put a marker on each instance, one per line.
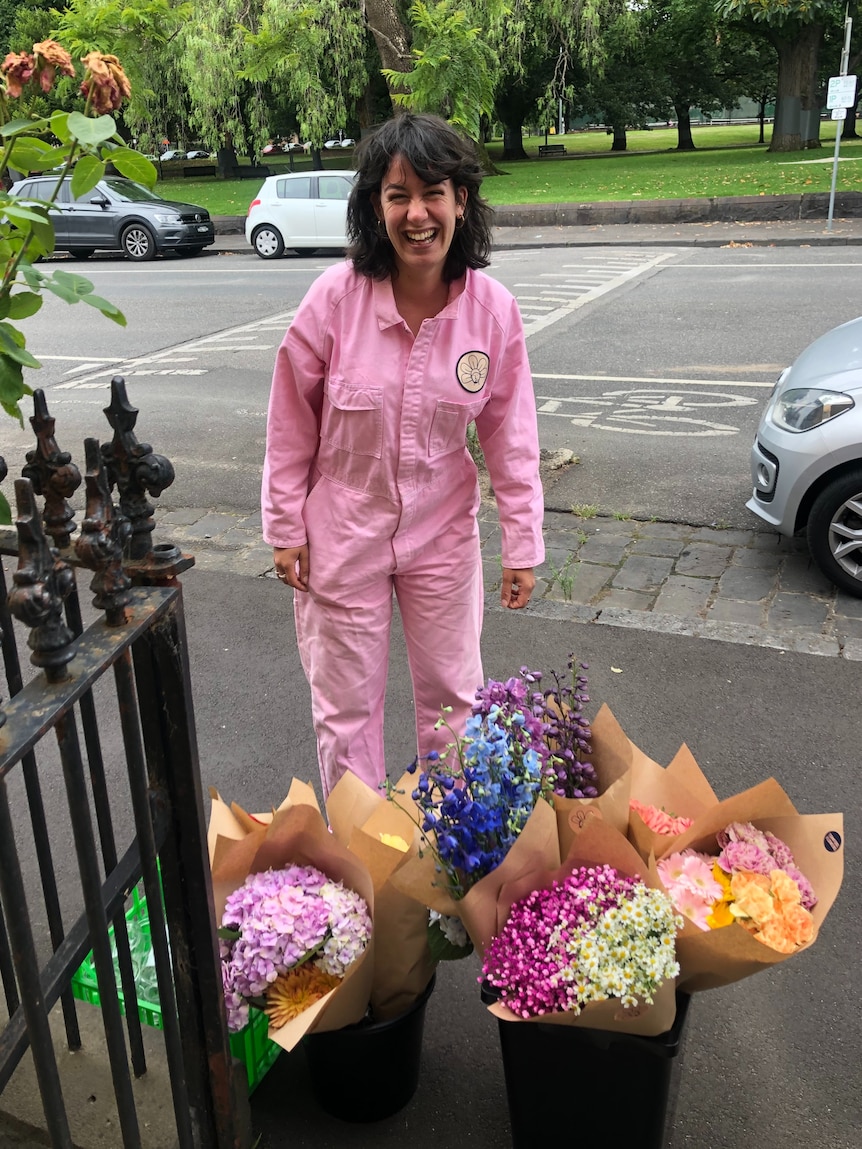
(449, 426)
(352, 418)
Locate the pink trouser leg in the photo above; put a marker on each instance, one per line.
(440, 599)
(345, 651)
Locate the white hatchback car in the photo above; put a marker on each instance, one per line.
(300, 210)
(806, 461)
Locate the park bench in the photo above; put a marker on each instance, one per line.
(256, 173)
(200, 170)
(552, 150)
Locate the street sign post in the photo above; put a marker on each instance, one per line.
(840, 95)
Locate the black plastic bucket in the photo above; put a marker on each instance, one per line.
(623, 1081)
(368, 1071)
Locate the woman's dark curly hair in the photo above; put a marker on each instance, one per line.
(436, 152)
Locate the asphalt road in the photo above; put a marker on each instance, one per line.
(651, 365)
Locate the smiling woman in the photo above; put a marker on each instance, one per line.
(368, 486)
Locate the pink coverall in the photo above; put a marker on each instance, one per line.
(366, 462)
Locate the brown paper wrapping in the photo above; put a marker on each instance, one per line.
(241, 844)
(681, 789)
(403, 965)
(611, 757)
(719, 957)
(594, 842)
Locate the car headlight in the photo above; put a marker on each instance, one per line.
(803, 408)
(166, 217)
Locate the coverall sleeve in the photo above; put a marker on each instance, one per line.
(509, 436)
(292, 430)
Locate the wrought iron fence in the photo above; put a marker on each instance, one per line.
(98, 735)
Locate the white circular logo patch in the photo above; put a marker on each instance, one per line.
(472, 370)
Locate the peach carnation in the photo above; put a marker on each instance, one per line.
(659, 821)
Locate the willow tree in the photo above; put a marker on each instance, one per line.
(227, 110)
(144, 34)
(316, 52)
(795, 29)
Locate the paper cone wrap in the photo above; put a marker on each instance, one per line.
(711, 958)
(681, 789)
(594, 843)
(241, 844)
(403, 965)
(611, 757)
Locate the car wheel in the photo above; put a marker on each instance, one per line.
(267, 242)
(138, 242)
(81, 252)
(305, 250)
(835, 532)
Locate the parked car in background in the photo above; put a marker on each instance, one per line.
(120, 215)
(198, 155)
(346, 143)
(299, 210)
(172, 154)
(806, 462)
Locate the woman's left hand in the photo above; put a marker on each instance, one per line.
(517, 588)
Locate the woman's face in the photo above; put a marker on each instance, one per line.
(420, 218)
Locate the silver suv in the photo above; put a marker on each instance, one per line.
(120, 215)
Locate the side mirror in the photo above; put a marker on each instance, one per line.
(100, 201)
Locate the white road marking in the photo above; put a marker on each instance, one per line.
(644, 411)
(654, 380)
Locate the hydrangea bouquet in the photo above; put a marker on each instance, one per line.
(296, 910)
(288, 938)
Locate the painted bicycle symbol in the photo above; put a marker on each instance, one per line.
(646, 411)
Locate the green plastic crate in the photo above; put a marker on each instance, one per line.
(250, 1045)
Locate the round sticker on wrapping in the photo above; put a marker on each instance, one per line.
(832, 841)
(472, 370)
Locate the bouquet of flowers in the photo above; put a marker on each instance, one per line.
(590, 944)
(753, 879)
(384, 838)
(287, 938)
(665, 802)
(295, 909)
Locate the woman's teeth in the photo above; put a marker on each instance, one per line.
(421, 236)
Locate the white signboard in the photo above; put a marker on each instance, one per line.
(839, 113)
(841, 92)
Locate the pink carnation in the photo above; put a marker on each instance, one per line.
(659, 821)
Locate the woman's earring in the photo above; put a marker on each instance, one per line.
(459, 221)
(381, 229)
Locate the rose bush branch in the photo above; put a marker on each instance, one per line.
(80, 143)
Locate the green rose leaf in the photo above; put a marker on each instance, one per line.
(109, 310)
(88, 131)
(5, 511)
(79, 285)
(134, 166)
(88, 171)
(29, 154)
(12, 387)
(22, 304)
(14, 127)
(12, 346)
(60, 126)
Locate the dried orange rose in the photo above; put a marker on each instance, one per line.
(18, 68)
(51, 57)
(107, 82)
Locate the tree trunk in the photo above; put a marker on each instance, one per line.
(684, 142)
(226, 159)
(316, 160)
(619, 144)
(797, 109)
(761, 119)
(392, 38)
(513, 141)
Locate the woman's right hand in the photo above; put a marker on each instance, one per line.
(291, 566)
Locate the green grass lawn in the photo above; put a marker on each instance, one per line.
(727, 161)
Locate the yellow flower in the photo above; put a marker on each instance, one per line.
(293, 992)
(721, 916)
(395, 842)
